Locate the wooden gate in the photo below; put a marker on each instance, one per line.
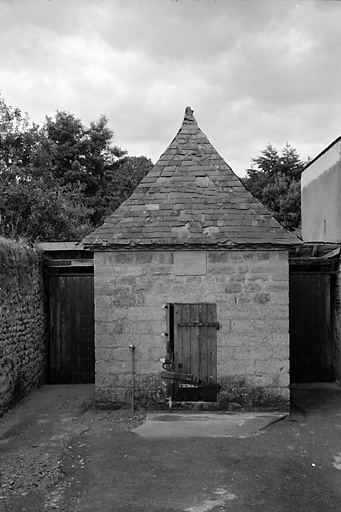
(310, 332)
(72, 352)
(193, 342)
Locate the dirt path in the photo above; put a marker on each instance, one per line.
(33, 439)
(67, 458)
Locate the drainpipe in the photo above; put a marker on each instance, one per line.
(132, 349)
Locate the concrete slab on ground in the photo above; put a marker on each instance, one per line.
(205, 424)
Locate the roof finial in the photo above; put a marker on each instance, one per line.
(189, 115)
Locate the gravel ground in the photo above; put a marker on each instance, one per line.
(32, 459)
(58, 453)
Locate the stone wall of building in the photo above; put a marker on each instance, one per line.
(251, 290)
(23, 322)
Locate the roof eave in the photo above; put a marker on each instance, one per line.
(193, 246)
(338, 139)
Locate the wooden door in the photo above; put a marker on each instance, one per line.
(195, 351)
(72, 352)
(310, 333)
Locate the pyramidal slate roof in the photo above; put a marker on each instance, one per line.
(190, 199)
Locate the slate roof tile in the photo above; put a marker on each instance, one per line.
(190, 198)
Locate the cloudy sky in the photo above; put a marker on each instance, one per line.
(254, 72)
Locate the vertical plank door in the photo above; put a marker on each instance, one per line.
(310, 333)
(195, 351)
(72, 352)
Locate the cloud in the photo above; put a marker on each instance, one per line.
(254, 72)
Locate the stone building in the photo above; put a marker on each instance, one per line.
(192, 272)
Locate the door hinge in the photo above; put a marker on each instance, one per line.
(187, 377)
(199, 324)
(190, 386)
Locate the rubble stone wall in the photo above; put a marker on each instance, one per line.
(23, 322)
(251, 290)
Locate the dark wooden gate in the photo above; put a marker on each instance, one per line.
(310, 328)
(193, 340)
(72, 352)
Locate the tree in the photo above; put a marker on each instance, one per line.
(32, 209)
(80, 153)
(18, 138)
(33, 203)
(123, 178)
(60, 181)
(274, 179)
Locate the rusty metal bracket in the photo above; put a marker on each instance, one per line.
(187, 377)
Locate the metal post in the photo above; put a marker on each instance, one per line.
(132, 349)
